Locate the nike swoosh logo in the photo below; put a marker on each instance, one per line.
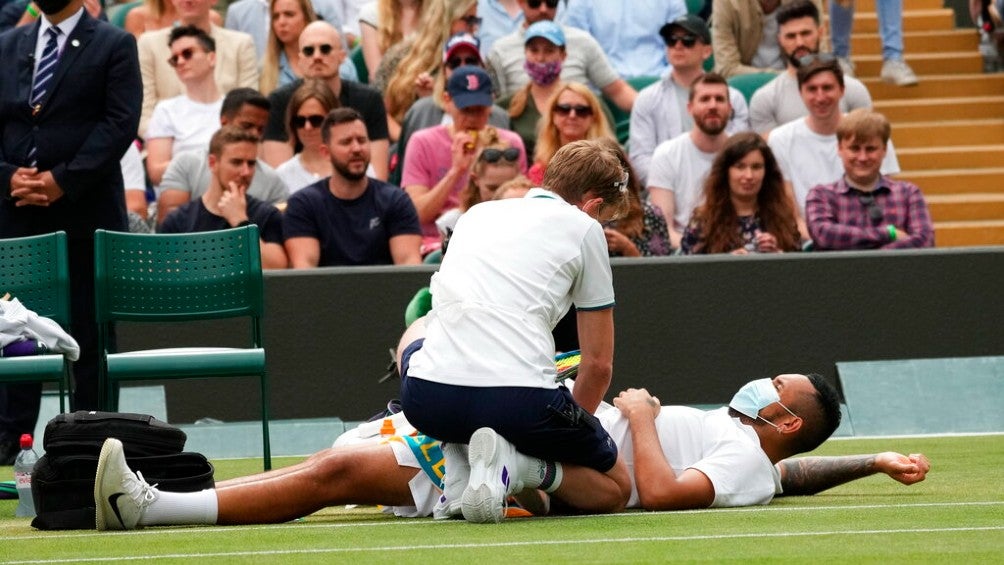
(113, 501)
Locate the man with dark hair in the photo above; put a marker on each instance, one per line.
(778, 102)
(188, 174)
(349, 218)
(682, 458)
(233, 153)
(744, 33)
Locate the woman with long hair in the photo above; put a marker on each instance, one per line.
(572, 113)
(745, 208)
(152, 15)
(383, 24)
(282, 54)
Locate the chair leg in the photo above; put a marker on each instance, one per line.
(266, 442)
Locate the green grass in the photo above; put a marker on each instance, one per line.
(955, 516)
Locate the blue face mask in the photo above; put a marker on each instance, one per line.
(754, 396)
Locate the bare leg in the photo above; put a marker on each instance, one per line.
(591, 491)
(415, 331)
(357, 475)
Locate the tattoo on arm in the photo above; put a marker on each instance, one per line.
(810, 475)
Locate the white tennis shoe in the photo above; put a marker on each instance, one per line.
(495, 474)
(458, 474)
(120, 496)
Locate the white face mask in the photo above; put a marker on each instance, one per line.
(754, 396)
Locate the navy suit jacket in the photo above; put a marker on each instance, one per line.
(86, 122)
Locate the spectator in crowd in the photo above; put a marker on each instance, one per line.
(383, 24)
(624, 31)
(585, 62)
(571, 114)
(320, 55)
(745, 208)
(188, 174)
(890, 18)
(134, 182)
(744, 32)
(152, 15)
(680, 165)
(517, 187)
(226, 203)
(236, 63)
(348, 218)
(254, 17)
(779, 102)
(187, 121)
(495, 165)
(660, 111)
(406, 71)
(281, 62)
(806, 149)
(439, 158)
(642, 231)
(460, 50)
(865, 209)
(502, 17)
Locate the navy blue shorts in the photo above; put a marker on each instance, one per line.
(543, 423)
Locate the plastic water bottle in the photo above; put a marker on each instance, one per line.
(23, 466)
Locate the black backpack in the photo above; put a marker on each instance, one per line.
(62, 482)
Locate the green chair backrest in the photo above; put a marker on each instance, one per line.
(179, 277)
(36, 271)
(117, 14)
(356, 55)
(621, 120)
(695, 6)
(749, 83)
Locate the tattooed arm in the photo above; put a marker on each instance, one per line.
(810, 475)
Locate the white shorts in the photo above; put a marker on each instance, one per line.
(423, 490)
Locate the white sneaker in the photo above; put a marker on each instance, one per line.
(846, 66)
(495, 474)
(120, 496)
(898, 73)
(458, 474)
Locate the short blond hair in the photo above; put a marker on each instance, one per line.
(863, 124)
(520, 182)
(584, 166)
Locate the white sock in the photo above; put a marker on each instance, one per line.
(541, 474)
(181, 508)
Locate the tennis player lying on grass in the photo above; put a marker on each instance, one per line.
(680, 457)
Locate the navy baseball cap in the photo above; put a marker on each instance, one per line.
(470, 86)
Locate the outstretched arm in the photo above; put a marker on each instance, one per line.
(810, 475)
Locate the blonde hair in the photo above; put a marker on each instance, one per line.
(548, 138)
(863, 124)
(273, 50)
(425, 53)
(390, 32)
(471, 193)
(588, 165)
(520, 182)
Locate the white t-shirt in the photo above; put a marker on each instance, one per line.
(296, 176)
(727, 451)
(678, 165)
(768, 53)
(514, 268)
(133, 174)
(808, 159)
(190, 123)
(779, 102)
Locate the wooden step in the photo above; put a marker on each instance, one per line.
(957, 157)
(965, 207)
(948, 133)
(969, 234)
(913, 20)
(863, 6)
(947, 63)
(957, 181)
(935, 109)
(918, 42)
(939, 86)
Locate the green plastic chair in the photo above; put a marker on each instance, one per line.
(356, 55)
(117, 14)
(36, 271)
(621, 122)
(750, 83)
(180, 278)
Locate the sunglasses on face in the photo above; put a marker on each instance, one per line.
(471, 21)
(453, 62)
(536, 3)
(688, 41)
(492, 155)
(181, 57)
(874, 210)
(579, 109)
(324, 48)
(315, 121)
(813, 57)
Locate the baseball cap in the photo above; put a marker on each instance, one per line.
(458, 40)
(546, 29)
(690, 22)
(469, 86)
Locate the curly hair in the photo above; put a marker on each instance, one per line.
(273, 50)
(717, 216)
(548, 138)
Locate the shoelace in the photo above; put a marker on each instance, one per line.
(141, 491)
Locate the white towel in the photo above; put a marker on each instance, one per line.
(18, 323)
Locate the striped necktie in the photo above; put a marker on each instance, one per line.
(43, 79)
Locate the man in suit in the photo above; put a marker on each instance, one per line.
(70, 95)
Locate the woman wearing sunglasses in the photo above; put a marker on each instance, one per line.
(745, 208)
(573, 113)
(282, 54)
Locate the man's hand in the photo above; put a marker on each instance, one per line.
(465, 145)
(905, 469)
(637, 402)
(233, 204)
(33, 188)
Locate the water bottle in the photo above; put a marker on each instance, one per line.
(23, 466)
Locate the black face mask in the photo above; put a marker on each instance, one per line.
(50, 7)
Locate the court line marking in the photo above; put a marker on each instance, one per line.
(317, 551)
(394, 521)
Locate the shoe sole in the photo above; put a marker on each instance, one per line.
(479, 503)
(99, 500)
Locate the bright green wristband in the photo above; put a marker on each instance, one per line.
(31, 9)
(892, 232)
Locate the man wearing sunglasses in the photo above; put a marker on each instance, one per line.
(236, 60)
(502, 17)
(779, 101)
(585, 63)
(660, 112)
(865, 209)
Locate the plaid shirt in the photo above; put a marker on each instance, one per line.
(837, 218)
